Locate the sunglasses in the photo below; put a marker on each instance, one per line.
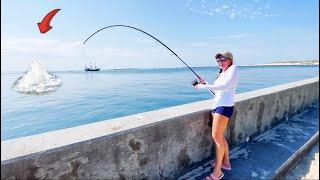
(222, 59)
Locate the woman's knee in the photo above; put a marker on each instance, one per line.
(218, 137)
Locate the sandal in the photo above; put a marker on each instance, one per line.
(213, 177)
(222, 166)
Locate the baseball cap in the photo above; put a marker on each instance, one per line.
(225, 54)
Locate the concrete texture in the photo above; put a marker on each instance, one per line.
(262, 156)
(161, 144)
(308, 166)
(284, 168)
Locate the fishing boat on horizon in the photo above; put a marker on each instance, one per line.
(91, 68)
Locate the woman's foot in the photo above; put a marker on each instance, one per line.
(226, 166)
(212, 176)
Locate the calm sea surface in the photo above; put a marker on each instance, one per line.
(86, 97)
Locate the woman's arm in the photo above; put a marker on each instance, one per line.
(231, 78)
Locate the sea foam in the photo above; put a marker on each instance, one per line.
(36, 81)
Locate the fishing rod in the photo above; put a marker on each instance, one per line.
(119, 25)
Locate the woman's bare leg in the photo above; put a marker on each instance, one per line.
(219, 125)
(226, 160)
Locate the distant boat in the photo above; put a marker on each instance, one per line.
(95, 68)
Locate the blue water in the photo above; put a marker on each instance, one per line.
(86, 97)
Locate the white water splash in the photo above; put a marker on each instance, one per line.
(36, 81)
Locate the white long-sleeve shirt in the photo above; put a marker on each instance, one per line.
(225, 87)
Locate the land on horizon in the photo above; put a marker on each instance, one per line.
(290, 62)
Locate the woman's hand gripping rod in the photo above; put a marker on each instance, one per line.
(201, 81)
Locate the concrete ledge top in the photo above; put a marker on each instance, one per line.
(23, 146)
(274, 89)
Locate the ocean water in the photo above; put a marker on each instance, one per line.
(86, 97)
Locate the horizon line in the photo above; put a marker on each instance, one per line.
(179, 67)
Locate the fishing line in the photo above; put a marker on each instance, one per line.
(119, 25)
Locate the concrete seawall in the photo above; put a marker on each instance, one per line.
(159, 144)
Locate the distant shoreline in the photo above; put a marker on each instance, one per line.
(286, 64)
(121, 69)
(290, 63)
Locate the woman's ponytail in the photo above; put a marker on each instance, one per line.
(220, 71)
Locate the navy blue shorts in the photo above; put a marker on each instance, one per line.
(223, 110)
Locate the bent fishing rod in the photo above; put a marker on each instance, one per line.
(119, 25)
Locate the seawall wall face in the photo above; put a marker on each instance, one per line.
(159, 144)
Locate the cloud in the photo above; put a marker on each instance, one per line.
(17, 53)
(239, 36)
(40, 46)
(231, 9)
(232, 15)
(198, 44)
(234, 36)
(145, 41)
(225, 7)
(108, 52)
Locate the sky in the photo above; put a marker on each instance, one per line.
(255, 31)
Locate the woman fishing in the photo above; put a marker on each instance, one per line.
(224, 88)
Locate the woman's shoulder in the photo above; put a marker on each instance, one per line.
(233, 67)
